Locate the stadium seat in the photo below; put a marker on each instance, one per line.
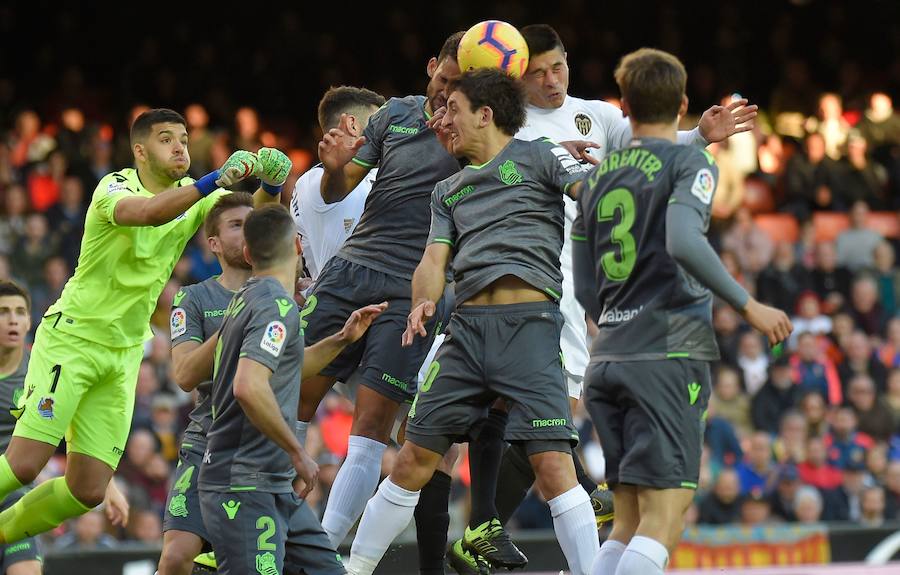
(885, 223)
(829, 225)
(758, 196)
(779, 227)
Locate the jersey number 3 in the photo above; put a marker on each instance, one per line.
(617, 267)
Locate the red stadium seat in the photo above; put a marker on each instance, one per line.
(779, 227)
(829, 225)
(758, 196)
(885, 223)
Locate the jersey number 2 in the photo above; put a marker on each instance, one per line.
(618, 268)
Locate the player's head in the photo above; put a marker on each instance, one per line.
(442, 71)
(652, 84)
(547, 77)
(159, 142)
(483, 102)
(224, 228)
(270, 238)
(15, 314)
(358, 103)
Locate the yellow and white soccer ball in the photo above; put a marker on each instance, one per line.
(493, 44)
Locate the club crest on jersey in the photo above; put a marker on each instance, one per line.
(509, 175)
(273, 338)
(45, 407)
(583, 123)
(178, 322)
(704, 185)
(348, 224)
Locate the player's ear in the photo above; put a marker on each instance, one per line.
(431, 67)
(247, 257)
(486, 116)
(626, 109)
(214, 244)
(682, 110)
(353, 125)
(138, 151)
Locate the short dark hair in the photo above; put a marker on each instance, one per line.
(541, 38)
(225, 203)
(142, 125)
(652, 82)
(11, 288)
(450, 47)
(269, 234)
(500, 92)
(345, 100)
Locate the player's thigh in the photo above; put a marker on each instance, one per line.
(453, 397)
(101, 425)
(62, 369)
(308, 549)
(183, 502)
(607, 414)
(247, 530)
(663, 428)
(22, 557)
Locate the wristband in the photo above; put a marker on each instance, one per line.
(271, 189)
(207, 184)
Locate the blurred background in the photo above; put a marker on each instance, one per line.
(806, 215)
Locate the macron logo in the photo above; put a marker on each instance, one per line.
(402, 130)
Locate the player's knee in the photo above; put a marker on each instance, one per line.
(89, 494)
(555, 472)
(176, 560)
(373, 424)
(449, 461)
(26, 470)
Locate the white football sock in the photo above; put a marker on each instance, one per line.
(608, 558)
(643, 556)
(353, 486)
(386, 516)
(576, 529)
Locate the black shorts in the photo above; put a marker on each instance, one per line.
(384, 364)
(650, 417)
(509, 351)
(183, 504)
(258, 532)
(27, 549)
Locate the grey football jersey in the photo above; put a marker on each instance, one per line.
(647, 306)
(506, 217)
(261, 323)
(11, 390)
(197, 312)
(391, 233)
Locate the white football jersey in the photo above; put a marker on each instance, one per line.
(602, 123)
(324, 227)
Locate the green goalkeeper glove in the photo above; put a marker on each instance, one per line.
(274, 166)
(239, 166)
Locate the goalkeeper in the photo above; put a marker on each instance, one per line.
(89, 346)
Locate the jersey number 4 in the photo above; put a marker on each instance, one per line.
(618, 267)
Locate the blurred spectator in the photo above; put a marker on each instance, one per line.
(28, 144)
(146, 527)
(814, 372)
(147, 386)
(843, 502)
(87, 533)
(56, 274)
(774, 398)
(872, 507)
(45, 181)
(724, 446)
(886, 274)
(246, 122)
(757, 471)
(860, 360)
(830, 280)
(753, 361)
(877, 461)
(831, 124)
(12, 224)
(201, 140)
(856, 245)
(809, 179)
(816, 470)
(892, 397)
(809, 318)
(812, 406)
(66, 219)
(756, 509)
(723, 504)
(782, 282)
(790, 445)
(860, 179)
(146, 472)
(808, 505)
(892, 491)
(846, 445)
(727, 323)
(875, 419)
(880, 125)
(33, 250)
(163, 425)
(752, 246)
(783, 497)
(729, 402)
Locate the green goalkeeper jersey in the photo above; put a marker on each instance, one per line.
(122, 269)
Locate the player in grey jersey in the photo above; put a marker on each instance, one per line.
(502, 220)
(644, 272)
(24, 556)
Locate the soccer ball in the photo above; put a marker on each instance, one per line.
(493, 44)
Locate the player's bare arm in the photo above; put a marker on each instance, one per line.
(427, 287)
(336, 150)
(192, 362)
(317, 357)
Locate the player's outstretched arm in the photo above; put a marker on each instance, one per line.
(427, 288)
(168, 205)
(272, 171)
(721, 122)
(336, 150)
(252, 390)
(192, 362)
(317, 357)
